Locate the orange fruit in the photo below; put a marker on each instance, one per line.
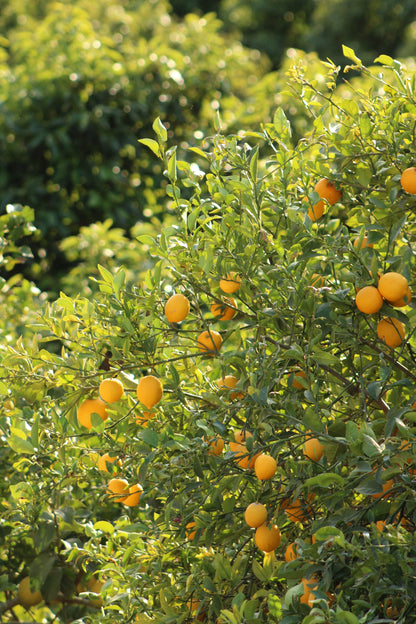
(291, 552)
(387, 485)
(149, 391)
(242, 456)
(309, 584)
(294, 510)
(89, 407)
(265, 466)
(403, 301)
(408, 180)
(224, 311)
(134, 493)
(369, 300)
(364, 242)
(313, 449)
(241, 435)
(177, 308)
(115, 487)
(209, 342)
(298, 375)
(28, 598)
(317, 281)
(143, 418)
(215, 446)
(230, 283)
(391, 331)
(381, 525)
(230, 381)
(111, 390)
(190, 530)
(328, 194)
(193, 605)
(255, 515)
(267, 537)
(107, 459)
(392, 286)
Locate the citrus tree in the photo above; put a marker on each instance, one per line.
(230, 437)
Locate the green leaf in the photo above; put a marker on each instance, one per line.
(106, 274)
(365, 127)
(20, 443)
(254, 159)
(260, 572)
(369, 486)
(330, 533)
(396, 228)
(150, 437)
(145, 239)
(44, 535)
(326, 479)
(346, 617)
(282, 125)
(119, 281)
(104, 527)
(384, 60)
(160, 130)
(222, 566)
(41, 566)
(152, 145)
(350, 54)
(198, 151)
(172, 173)
(52, 584)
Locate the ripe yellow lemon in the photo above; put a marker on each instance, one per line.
(392, 286)
(391, 331)
(177, 308)
(255, 515)
(89, 407)
(369, 300)
(115, 487)
(224, 311)
(313, 449)
(26, 597)
(408, 180)
(265, 467)
(149, 391)
(267, 537)
(134, 493)
(107, 459)
(230, 283)
(209, 342)
(111, 390)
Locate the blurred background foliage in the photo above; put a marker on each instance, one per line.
(82, 81)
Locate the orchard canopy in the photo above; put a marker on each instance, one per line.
(259, 429)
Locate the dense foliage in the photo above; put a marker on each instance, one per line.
(307, 363)
(81, 82)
